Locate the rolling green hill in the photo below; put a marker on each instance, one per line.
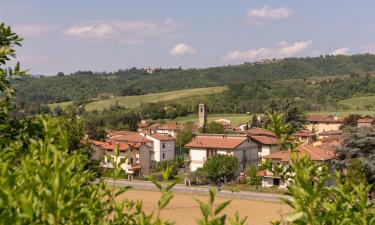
(83, 85)
(134, 101)
(359, 103)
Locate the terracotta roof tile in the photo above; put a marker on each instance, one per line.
(325, 118)
(166, 126)
(316, 153)
(303, 133)
(259, 132)
(128, 136)
(266, 140)
(366, 120)
(111, 145)
(217, 142)
(163, 137)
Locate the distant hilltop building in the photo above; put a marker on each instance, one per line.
(202, 116)
(150, 70)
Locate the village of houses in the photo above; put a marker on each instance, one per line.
(155, 143)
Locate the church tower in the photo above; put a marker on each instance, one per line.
(202, 112)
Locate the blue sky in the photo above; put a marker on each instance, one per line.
(100, 35)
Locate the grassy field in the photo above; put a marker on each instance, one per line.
(344, 113)
(361, 103)
(134, 101)
(184, 210)
(235, 119)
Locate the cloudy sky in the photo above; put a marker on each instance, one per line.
(100, 35)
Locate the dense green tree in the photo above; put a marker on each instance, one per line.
(358, 143)
(351, 120)
(252, 177)
(184, 136)
(355, 173)
(215, 128)
(221, 167)
(254, 121)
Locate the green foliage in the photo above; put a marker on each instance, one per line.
(211, 214)
(184, 136)
(311, 200)
(43, 175)
(351, 120)
(358, 143)
(214, 128)
(290, 114)
(315, 203)
(252, 178)
(356, 174)
(172, 165)
(281, 129)
(221, 167)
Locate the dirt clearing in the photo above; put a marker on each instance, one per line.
(184, 210)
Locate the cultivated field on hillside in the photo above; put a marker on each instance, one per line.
(361, 103)
(134, 101)
(184, 210)
(344, 113)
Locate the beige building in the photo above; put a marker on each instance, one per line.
(317, 154)
(322, 123)
(204, 146)
(136, 156)
(365, 122)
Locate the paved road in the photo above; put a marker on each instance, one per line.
(179, 188)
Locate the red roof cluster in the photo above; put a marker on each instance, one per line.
(325, 118)
(316, 153)
(258, 132)
(303, 133)
(216, 141)
(366, 120)
(265, 140)
(127, 136)
(111, 145)
(166, 126)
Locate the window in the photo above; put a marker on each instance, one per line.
(211, 152)
(163, 145)
(163, 155)
(276, 181)
(130, 161)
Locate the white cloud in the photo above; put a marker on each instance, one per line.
(124, 31)
(266, 13)
(102, 31)
(182, 49)
(341, 51)
(281, 50)
(33, 30)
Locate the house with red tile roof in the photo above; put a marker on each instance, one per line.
(317, 154)
(170, 129)
(204, 146)
(322, 123)
(305, 136)
(162, 146)
(265, 145)
(136, 156)
(365, 122)
(139, 150)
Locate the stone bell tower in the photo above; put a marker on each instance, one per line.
(202, 112)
